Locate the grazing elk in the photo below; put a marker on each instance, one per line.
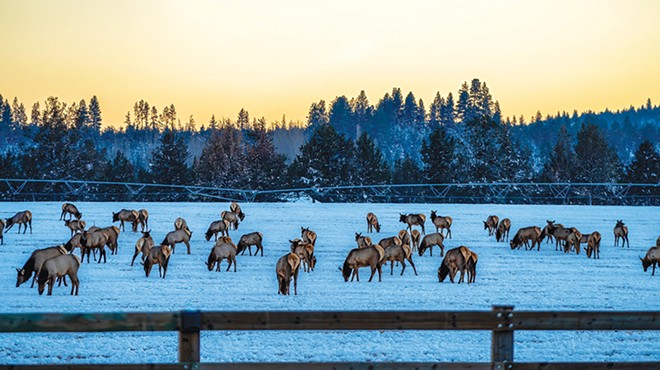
(34, 263)
(414, 236)
(387, 242)
(620, 231)
(308, 236)
(2, 230)
(126, 215)
(306, 253)
(431, 240)
(21, 218)
(502, 231)
(491, 224)
(441, 223)
(142, 219)
(524, 235)
(231, 217)
(93, 240)
(248, 240)
(224, 249)
(71, 210)
(560, 234)
(405, 237)
(472, 267)
(234, 207)
(180, 224)
(143, 245)
(113, 237)
(652, 258)
(56, 267)
(399, 253)
(413, 219)
(287, 267)
(456, 260)
(593, 245)
(220, 226)
(158, 255)
(363, 241)
(75, 225)
(362, 257)
(573, 241)
(178, 236)
(372, 223)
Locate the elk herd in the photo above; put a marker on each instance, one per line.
(54, 264)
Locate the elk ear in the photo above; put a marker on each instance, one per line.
(339, 268)
(19, 271)
(640, 258)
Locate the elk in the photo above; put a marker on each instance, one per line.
(363, 241)
(560, 234)
(306, 253)
(180, 224)
(652, 258)
(431, 240)
(456, 260)
(21, 218)
(143, 245)
(2, 229)
(547, 231)
(248, 240)
(593, 245)
(620, 231)
(126, 215)
(35, 261)
(113, 236)
(491, 224)
(308, 236)
(524, 235)
(56, 267)
(71, 210)
(657, 241)
(287, 267)
(441, 223)
(159, 255)
(231, 217)
(75, 225)
(178, 236)
(573, 241)
(224, 249)
(234, 207)
(399, 253)
(372, 223)
(414, 236)
(220, 226)
(93, 240)
(413, 219)
(502, 231)
(142, 219)
(472, 267)
(404, 236)
(362, 257)
(387, 242)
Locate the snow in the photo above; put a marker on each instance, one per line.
(529, 280)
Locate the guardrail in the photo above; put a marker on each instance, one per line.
(502, 321)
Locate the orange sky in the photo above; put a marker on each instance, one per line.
(276, 57)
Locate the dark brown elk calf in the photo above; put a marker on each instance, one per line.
(652, 258)
(621, 232)
(21, 218)
(158, 255)
(491, 224)
(456, 260)
(287, 267)
(224, 249)
(441, 223)
(413, 219)
(372, 223)
(432, 240)
(56, 267)
(126, 215)
(503, 230)
(248, 240)
(362, 257)
(71, 210)
(143, 245)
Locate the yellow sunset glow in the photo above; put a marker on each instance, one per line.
(276, 57)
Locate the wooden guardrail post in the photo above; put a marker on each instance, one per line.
(502, 340)
(189, 325)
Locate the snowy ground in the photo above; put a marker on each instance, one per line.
(545, 280)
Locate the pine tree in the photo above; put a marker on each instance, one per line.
(50, 155)
(645, 167)
(243, 119)
(409, 112)
(463, 108)
(35, 115)
(154, 120)
(369, 166)
(6, 116)
(438, 157)
(447, 113)
(318, 116)
(223, 162)
(435, 110)
(341, 117)
(266, 168)
(18, 114)
(95, 113)
(168, 160)
(562, 160)
(363, 113)
(596, 160)
(406, 171)
(119, 169)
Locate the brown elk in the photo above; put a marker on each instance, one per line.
(657, 241)
(472, 267)
(21, 218)
(158, 255)
(93, 240)
(287, 267)
(306, 253)
(593, 245)
(414, 236)
(71, 210)
(177, 236)
(220, 226)
(432, 240)
(547, 231)
(36, 260)
(126, 215)
(75, 225)
(441, 223)
(560, 234)
(491, 224)
(362, 257)
(231, 217)
(308, 236)
(248, 240)
(2, 230)
(399, 253)
(224, 249)
(573, 241)
(502, 231)
(180, 224)
(413, 219)
(621, 231)
(363, 241)
(652, 258)
(526, 234)
(372, 223)
(143, 245)
(456, 260)
(387, 242)
(142, 219)
(113, 237)
(234, 207)
(56, 267)
(405, 237)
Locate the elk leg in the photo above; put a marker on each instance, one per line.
(391, 267)
(249, 248)
(356, 274)
(260, 247)
(135, 256)
(50, 282)
(442, 250)
(218, 267)
(295, 282)
(187, 245)
(653, 271)
(412, 264)
(403, 266)
(431, 250)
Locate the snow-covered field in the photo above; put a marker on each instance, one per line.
(529, 280)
